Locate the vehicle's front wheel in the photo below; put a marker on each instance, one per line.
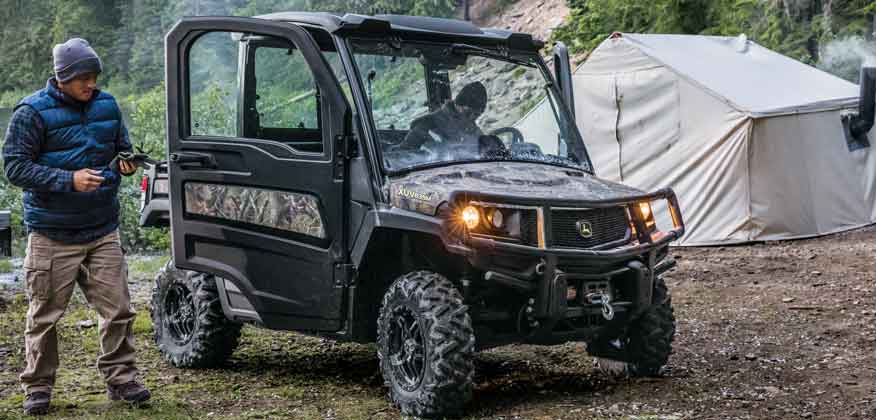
(190, 329)
(426, 345)
(647, 343)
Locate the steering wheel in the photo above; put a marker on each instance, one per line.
(491, 146)
(516, 135)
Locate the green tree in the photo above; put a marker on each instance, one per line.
(801, 29)
(592, 21)
(26, 42)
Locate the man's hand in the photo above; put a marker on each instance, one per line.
(85, 180)
(127, 167)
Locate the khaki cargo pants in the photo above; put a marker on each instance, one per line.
(51, 270)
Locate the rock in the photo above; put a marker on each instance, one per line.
(815, 273)
(750, 356)
(788, 300)
(806, 415)
(771, 390)
(85, 324)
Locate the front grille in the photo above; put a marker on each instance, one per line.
(529, 228)
(607, 225)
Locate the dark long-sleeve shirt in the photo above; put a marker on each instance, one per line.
(449, 126)
(21, 150)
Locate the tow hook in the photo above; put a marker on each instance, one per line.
(604, 299)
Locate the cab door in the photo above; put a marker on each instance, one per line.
(253, 111)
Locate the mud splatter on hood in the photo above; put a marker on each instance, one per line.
(423, 191)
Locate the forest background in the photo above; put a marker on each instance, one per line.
(835, 35)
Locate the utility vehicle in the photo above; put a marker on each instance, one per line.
(294, 205)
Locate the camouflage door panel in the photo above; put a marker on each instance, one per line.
(293, 212)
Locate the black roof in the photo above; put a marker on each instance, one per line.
(450, 29)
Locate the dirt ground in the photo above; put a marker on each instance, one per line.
(769, 331)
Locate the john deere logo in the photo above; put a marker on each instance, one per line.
(584, 228)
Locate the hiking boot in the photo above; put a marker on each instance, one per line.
(131, 392)
(37, 403)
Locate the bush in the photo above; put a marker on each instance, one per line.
(146, 113)
(11, 98)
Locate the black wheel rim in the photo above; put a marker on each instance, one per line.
(179, 319)
(407, 353)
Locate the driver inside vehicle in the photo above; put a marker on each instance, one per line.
(452, 125)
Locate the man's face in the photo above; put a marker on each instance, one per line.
(468, 111)
(80, 87)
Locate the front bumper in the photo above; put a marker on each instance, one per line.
(555, 272)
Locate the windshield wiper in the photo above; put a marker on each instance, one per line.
(472, 49)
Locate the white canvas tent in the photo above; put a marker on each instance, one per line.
(751, 141)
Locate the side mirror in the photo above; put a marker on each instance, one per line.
(563, 74)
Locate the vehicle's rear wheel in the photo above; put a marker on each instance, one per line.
(426, 345)
(647, 343)
(190, 328)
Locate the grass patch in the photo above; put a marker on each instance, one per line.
(145, 267)
(272, 375)
(143, 324)
(6, 266)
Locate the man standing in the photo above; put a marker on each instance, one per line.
(58, 148)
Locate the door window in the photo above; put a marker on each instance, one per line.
(253, 86)
(396, 88)
(214, 85)
(286, 94)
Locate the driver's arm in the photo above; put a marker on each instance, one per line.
(417, 136)
(480, 132)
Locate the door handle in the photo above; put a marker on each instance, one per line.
(194, 159)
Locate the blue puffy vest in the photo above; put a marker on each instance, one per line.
(77, 136)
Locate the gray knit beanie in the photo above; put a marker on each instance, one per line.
(473, 95)
(73, 58)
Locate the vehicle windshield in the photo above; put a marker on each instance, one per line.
(435, 104)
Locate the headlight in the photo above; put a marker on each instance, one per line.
(643, 211)
(471, 217)
(647, 216)
(643, 214)
(496, 218)
(491, 220)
